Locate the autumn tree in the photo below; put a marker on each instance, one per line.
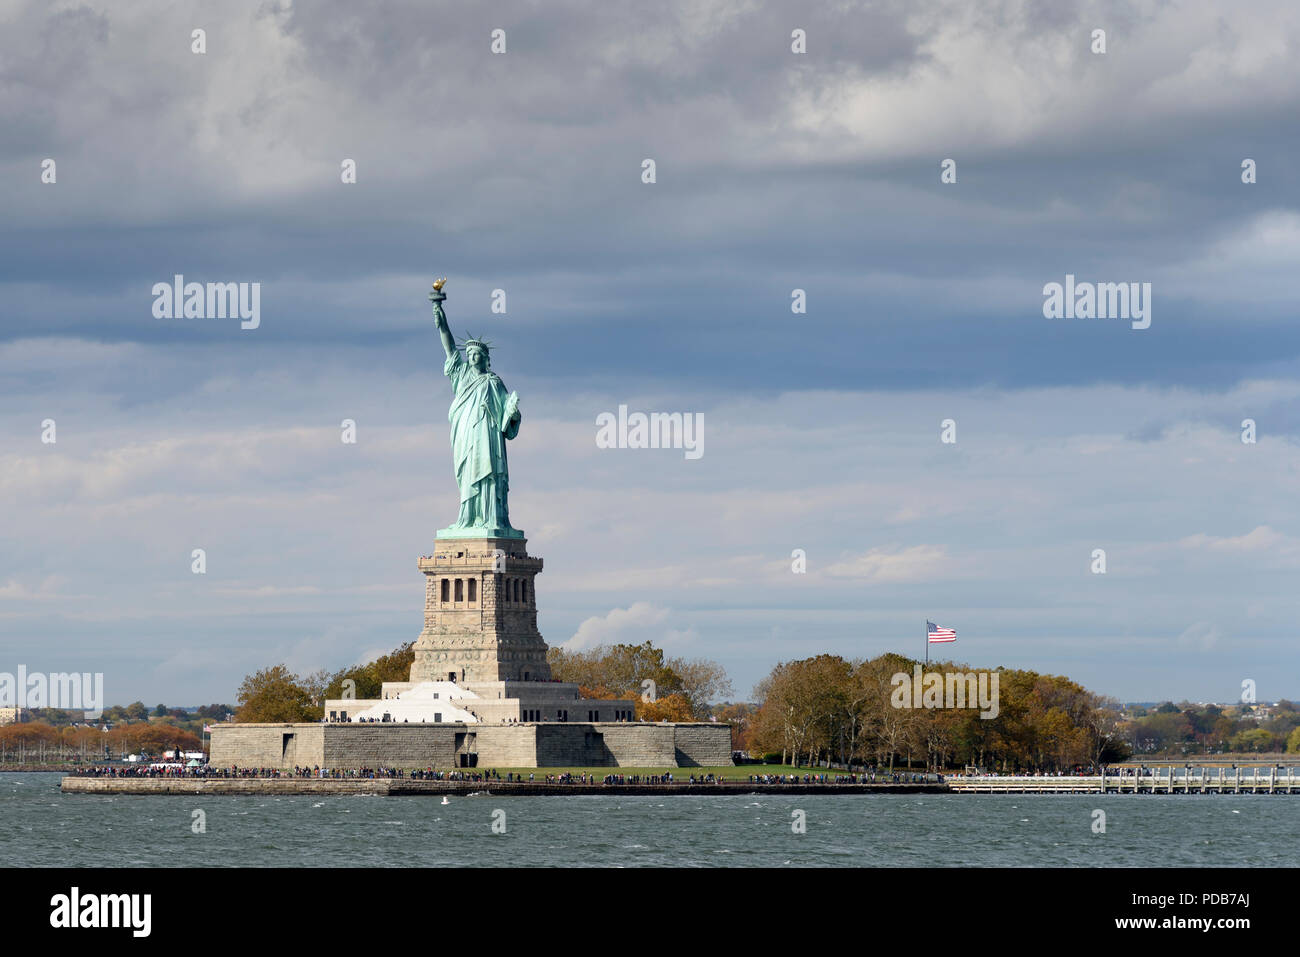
(275, 695)
(673, 707)
(622, 671)
(701, 682)
(368, 678)
(740, 715)
(891, 729)
(846, 711)
(795, 701)
(28, 741)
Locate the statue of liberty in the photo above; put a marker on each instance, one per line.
(482, 416)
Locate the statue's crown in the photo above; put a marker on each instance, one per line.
(483, 344)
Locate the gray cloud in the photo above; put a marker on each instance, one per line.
(774, 172)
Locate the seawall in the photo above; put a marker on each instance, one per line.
(396, 787)
(521, 745)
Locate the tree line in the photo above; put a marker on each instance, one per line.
(829, 709)
(663, 689)
(40, 742)
(276, 694)
(187, 718)
(844, 711)
(1187, 728)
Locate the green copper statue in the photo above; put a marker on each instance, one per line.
(482, 416)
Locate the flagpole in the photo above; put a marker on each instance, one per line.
(927, 643)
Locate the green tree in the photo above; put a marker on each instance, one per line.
(801, 708)
(1162, 731)
(1255, 740)
(275, 694)
(787, 711)
(369, 678)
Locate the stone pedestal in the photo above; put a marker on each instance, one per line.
(480, 613)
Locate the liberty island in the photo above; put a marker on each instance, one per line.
(480, 691)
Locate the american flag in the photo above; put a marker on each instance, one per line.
(935, 633)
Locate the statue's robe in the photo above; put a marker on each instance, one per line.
(482, 416)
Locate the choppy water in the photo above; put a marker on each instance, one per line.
(40, 826)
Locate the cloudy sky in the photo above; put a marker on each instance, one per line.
(774, 171)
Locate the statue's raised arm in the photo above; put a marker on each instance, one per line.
(437, 297)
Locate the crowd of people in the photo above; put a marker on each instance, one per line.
(865, 777)
(206, 771)
(487, 776)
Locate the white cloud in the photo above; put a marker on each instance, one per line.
(632, 625)
(194, 440)
(1200, 636)
(998, 76)
(891, 564)
(47, 589)
(1261, 539)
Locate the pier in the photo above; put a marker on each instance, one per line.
(1149, 780)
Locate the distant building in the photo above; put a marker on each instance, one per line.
(10, 716)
